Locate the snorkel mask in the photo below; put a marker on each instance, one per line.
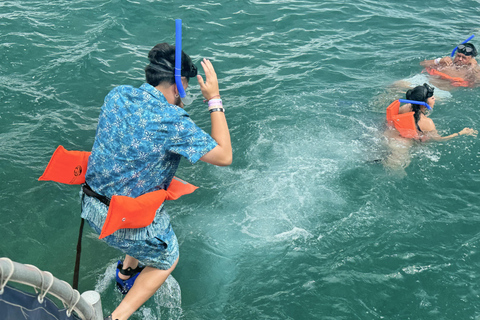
(464, 42)
(467, 49)
(428, 91)
(190, 72)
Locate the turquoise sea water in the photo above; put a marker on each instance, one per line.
(302, 225)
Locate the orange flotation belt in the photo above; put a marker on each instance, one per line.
(123, 212)
(455, 81)
(404, 123)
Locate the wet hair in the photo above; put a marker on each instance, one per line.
(472, 52)
(162, 65)
(419, 93)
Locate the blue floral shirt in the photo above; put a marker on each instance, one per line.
(139, 142)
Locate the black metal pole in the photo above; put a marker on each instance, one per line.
(76, 271)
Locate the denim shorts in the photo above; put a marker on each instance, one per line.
(159, 250)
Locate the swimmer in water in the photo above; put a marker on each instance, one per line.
(425, 127)
(462, 71)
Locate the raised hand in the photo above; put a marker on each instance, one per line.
(446, 61)
(210, 86)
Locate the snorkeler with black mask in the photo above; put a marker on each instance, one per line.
(461, 71)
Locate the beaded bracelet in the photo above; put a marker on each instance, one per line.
(217, 109)
(205, 100)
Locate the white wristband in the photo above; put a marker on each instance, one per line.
(437, 61)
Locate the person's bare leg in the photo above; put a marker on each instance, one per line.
(146, 284)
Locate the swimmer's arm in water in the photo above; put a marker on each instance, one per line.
(474, 76)
(445, 61)
(431, 132)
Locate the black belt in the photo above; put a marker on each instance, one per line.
(89, 192)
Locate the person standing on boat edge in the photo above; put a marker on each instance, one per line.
(462, 71)
(141, 136)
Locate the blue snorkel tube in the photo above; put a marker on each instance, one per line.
(470, 38)
(178, 58)
(415, 102)
(178, 62)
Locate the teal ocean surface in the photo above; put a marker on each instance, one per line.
(304, 224)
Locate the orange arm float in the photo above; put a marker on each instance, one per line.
(455, 81)
(69, 167)
(404, 123)
(126, 212)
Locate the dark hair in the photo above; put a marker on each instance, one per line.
(419, 93)
(162, 65)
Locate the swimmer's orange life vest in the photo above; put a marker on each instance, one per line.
(455, 81)
(69, 167)
(404, 123)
